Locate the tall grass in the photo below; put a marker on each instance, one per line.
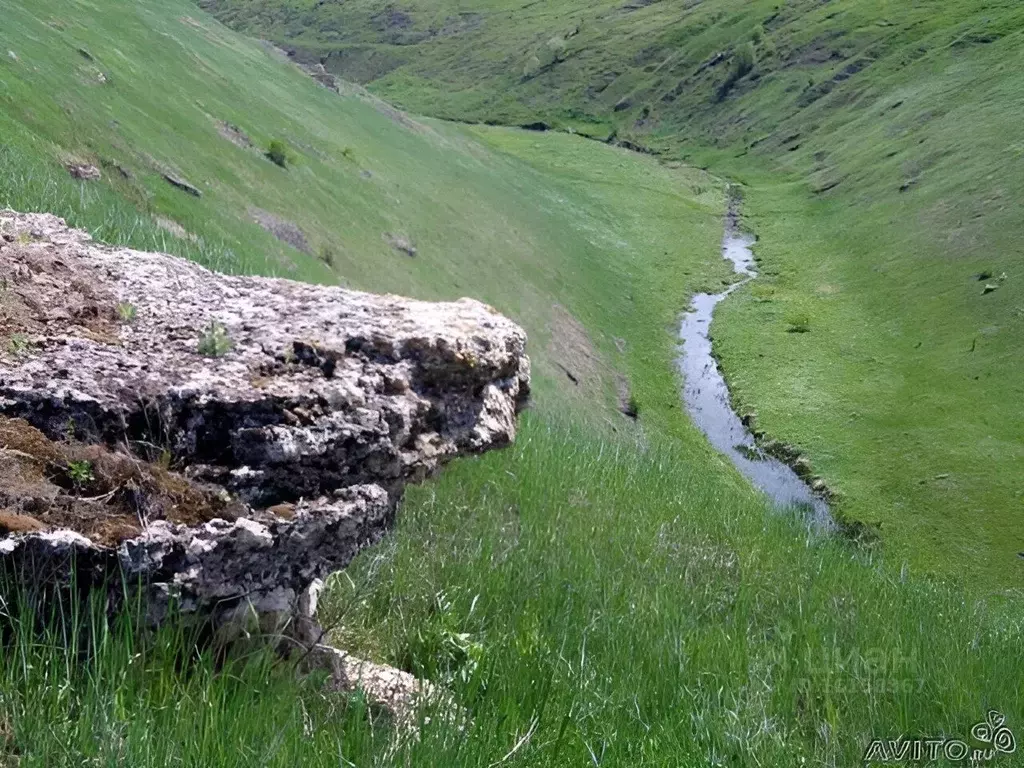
(620, 605)
(78, 687)
(588, 601)
(30, 184)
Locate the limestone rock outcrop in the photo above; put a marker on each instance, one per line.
(225, 441)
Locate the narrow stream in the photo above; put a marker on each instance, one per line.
(707, 397)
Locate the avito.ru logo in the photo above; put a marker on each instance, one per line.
(988, 740)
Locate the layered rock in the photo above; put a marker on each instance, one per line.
(224, 441)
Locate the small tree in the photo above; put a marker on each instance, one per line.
(277, 153)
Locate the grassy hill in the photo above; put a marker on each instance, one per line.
(560, 240)
(882, 150)
(604, 592)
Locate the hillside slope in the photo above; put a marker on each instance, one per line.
(603, 591)
(882, 149)
(370, 197)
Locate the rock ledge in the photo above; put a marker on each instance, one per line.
(228, 482)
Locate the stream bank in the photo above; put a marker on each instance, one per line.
(707, 400)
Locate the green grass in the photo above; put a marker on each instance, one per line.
(904, 390)
(601, 593)
(90, 691)
(616, 602)
(883, 147)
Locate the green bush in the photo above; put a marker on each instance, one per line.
(277, 153)
(80, 472)
(327, 255)
(757, 34)
(743, 60)
(798, 322)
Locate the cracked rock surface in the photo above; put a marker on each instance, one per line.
(225, 440)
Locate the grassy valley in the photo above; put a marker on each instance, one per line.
(608, 591)
(881, 150)
(534, 238)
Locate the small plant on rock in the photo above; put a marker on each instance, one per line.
(18, 345)
(215, 341)
(127, 312)
(80, 473)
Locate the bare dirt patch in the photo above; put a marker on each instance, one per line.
(234, 134)
(574, 353)
(284, 230)
(83, 171)
(174, 228)
(573, 350)
(88, 307)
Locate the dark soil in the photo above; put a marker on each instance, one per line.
(102, 494)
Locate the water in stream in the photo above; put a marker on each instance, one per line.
(707, 397)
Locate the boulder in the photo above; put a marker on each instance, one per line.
(226, 478)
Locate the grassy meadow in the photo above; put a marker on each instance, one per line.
(605, 592)
(587, 601)
(550, 232)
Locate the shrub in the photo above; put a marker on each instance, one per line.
(80, 472)
(757, 34)
(214, 342)
(743, 60)
(277, 153)
(798, 322)
(326, 255)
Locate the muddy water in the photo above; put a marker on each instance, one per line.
(707, 397)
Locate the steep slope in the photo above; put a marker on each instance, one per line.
(881, 146)
(369, 196)
(599, 592)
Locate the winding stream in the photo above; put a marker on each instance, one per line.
(707, 397)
